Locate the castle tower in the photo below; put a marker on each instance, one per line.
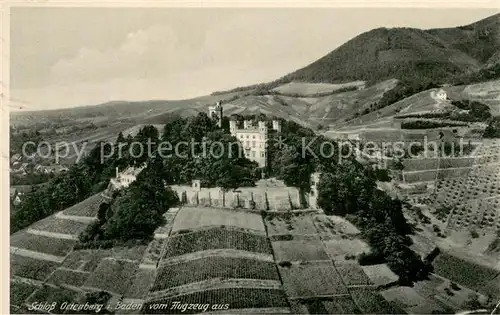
(215, 112)
(277, 125)
(247, 124)
(263, 128)
(263, 133)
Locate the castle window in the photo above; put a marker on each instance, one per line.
(253, 144)
(247, 136)
(253, 153)
(254, 136)
(261, 154)
(248, 143)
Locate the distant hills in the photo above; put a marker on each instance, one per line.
(407, 54)
(373, 70)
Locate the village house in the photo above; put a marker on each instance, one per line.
(15, 197)
(18, 192)
(441, 95)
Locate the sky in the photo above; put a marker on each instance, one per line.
(67, 57)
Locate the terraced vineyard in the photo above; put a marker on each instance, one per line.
(31, 268)
(112, 276)
(371, 302)
(216, 238)
(472, 200)
(232, 298)
(213, 267)
(68, 277)
(20, 291)
(55, 225)
(312, 280)
(42, 244)
(87, 208)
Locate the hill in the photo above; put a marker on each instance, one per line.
(408, 54)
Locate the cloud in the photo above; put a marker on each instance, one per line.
(161, 62)
(151, 52)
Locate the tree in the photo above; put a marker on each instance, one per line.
(120, 138)
(138, 212)
(493, 128)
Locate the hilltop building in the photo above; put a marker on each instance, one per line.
(253, 138)
(441, 95)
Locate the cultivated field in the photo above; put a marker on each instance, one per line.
(89, 259)
(309, 280)
(293, 224)
(41, 244)
(141, 283)
(440, 296)
(234, 298)
(371, 302)
(380, 274)
(68, 277)
(333, 227)
(404, 297)
(189, 218)
(216, 238)
(342, 304)
(352, 274)
(87, 208)
(178, 274)
(20, 291)
(52, 294)
(468, 274)
(338, 248)
(55, 225)
(112, 275)
(299, 250)
(153, 252)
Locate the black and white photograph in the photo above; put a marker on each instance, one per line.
(244, 159)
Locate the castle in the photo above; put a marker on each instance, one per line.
(253, 138)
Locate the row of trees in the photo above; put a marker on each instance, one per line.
(350, 190)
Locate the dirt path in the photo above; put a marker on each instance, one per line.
(52, 234)
(35, 255)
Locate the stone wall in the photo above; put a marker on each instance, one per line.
(270, 198)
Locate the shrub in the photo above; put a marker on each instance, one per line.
(474, 234)
(455, 287)
(285, 264)
(493, 128)
(436, 228)
(365, 259)
(425, 124)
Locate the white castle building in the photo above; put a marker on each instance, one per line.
(253, 138)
